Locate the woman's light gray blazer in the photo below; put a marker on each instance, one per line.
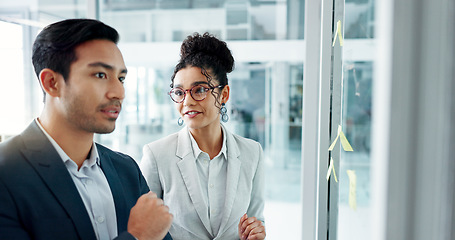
(169, 167)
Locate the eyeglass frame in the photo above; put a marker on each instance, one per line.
(189, 90)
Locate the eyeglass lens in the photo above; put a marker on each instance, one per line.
(197, 92)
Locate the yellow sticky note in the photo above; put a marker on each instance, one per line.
(338, 33)
(352, 189)
(334, 142)
(331, 169)
(340, 36)
(345, 143)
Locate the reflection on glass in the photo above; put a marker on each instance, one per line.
(359, 19)
(356, 121)
(355, 223)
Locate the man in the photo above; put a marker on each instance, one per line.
(55, 182)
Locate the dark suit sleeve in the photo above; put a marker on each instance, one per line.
(10, 226)
(140, 183)
(125, 236)
(128, 236)
(144, 187)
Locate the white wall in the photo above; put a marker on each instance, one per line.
(413, 117)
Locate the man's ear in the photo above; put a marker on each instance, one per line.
(49, 81)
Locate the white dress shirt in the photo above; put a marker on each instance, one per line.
(212, 179)
(93, 188)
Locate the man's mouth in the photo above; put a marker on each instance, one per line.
(111, 112)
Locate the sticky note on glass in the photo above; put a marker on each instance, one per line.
(331, 169)
(338, 33)
(344, 141)
(352, 189)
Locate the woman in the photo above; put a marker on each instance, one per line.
(212, 180)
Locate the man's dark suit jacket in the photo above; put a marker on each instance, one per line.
(39, 200)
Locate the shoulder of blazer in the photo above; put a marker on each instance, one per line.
(175, 144)
(104, 150)
(31, 139)
(10, 147)
(12, 160)
(118, 160)
(242, 143)
(165, 141)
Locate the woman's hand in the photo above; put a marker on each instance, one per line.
(250, 228)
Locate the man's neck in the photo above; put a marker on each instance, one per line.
(75, 143)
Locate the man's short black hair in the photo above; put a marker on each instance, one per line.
(54, 46)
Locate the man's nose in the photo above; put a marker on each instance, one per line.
(116, 90)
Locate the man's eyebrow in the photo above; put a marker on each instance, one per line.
(104, 65)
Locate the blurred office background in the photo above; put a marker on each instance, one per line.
(381, 70)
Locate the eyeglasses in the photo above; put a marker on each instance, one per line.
(198, 93)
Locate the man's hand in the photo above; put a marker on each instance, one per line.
(149, 218)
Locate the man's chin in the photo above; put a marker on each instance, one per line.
(105, 130)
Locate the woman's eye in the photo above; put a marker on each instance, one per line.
(199, 90)
(121, 79)
(178, 92)
(100, 75)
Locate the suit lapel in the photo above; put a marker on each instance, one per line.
(188, 170)
(40, 153)
(232, 180)
(121, 211)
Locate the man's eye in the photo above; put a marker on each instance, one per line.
(121, 79)
(100, 75)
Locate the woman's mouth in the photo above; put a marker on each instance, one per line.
(192, 114)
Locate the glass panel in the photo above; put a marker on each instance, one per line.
(266, 95)
(352, 192)
(231, 20)
(354, 223)
(12, 79)
(57, 10)
(359, 19)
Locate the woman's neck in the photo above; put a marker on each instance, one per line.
(209, 140)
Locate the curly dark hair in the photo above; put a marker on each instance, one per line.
(208, 53)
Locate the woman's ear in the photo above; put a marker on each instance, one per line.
(225, 94)
(49, 81)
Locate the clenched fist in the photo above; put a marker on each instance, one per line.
(149, 218)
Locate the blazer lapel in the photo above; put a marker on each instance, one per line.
(188, 170)
(40, 153)
(233, 172)
(121, 211)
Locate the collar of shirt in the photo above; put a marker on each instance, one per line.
(94, 158)
(197, 151)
